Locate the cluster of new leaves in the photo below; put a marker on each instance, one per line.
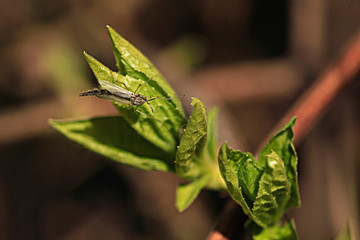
(164, 140)
(266, 188)
(151, 141)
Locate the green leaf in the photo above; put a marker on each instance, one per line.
(150, 126)
(196, 156)
(132, 62)
(228, 164)
(277, 232)
(249, 174)
(283, 144)
(112, 137)
(209, 158)
(263, 189)
(192, 142)
(212, 143)
(187, 193)
(273, 193)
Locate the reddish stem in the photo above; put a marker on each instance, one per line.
(309, 108)
(313, 103)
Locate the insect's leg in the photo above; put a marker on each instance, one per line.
(153, 98)
(150, 106)
(124, 85)
(141, 85)
(132, 105)
(155, 119)
(118, 81)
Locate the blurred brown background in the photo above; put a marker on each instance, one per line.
(253, 59)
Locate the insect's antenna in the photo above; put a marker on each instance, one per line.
(153, 98)
(142, 84)
(155, 119)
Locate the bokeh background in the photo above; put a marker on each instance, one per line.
(251, 58)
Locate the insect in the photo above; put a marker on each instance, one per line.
(117, 94)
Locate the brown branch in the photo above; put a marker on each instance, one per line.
(246, 81)
(32, 119)
(313, 103)
(309, 108)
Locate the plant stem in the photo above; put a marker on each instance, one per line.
(309, 108)
(313, 103)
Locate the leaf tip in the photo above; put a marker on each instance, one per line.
(293, 121)
(112, 33)
(109, 28)
(180, 208)
(214, 110)
(179, 205)
(87, 56)
(225, 145)
(196, 101)
(52, 122)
